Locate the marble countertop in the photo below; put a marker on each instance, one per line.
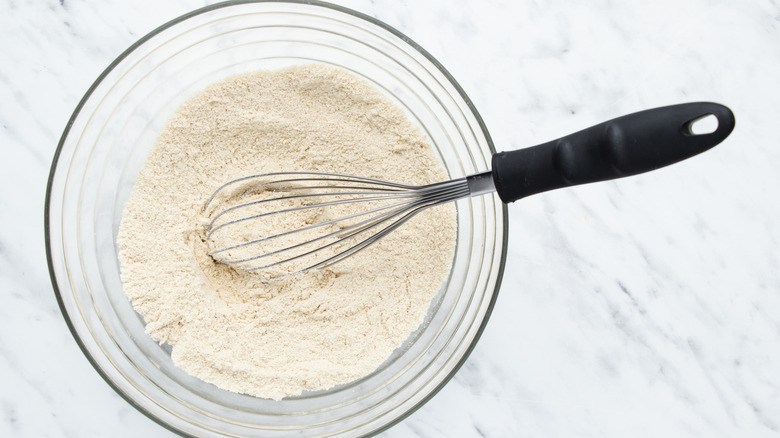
(648, 306)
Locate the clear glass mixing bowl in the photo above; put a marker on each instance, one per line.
(106, 143)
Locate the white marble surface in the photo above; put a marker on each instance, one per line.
(644, 307)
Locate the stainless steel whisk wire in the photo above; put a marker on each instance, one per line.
(384, 219)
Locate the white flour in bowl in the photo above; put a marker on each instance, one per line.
(307, 332)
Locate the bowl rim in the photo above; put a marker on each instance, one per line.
(213, 7)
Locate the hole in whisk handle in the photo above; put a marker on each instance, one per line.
(706, 124)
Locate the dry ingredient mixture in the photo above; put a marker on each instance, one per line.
(306, 332)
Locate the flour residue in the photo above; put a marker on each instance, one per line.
(307, 332)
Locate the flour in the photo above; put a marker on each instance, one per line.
(307, 332)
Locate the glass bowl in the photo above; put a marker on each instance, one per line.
(107, 141)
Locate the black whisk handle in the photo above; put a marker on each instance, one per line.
(625, 146)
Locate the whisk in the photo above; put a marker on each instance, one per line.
(317, 222)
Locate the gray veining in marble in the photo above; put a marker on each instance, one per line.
(643, 307)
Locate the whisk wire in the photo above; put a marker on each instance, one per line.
(212, 228)
(387, 230)
(298, 230)
(383, 219)
(357, 230)
(318, 176)
(359, 246)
